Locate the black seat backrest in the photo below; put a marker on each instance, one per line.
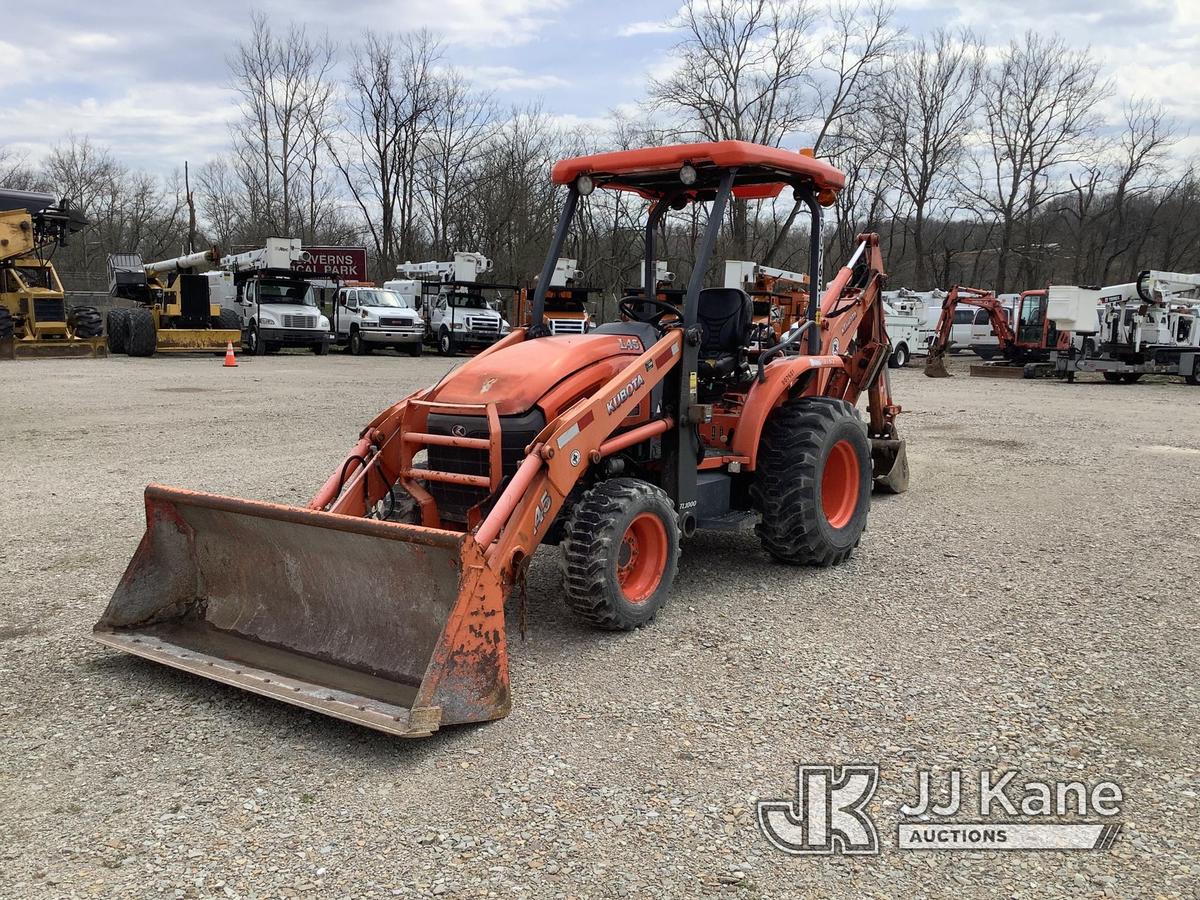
(724, 315)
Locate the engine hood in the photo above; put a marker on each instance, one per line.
(518, 377)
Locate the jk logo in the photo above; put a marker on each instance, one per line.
(828, 815)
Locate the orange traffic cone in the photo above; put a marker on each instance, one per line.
(230, 359)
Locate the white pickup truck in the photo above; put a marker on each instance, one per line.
(365, 318)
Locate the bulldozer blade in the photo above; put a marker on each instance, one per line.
(935, 366)
(889, 458)
(395, 627)
(196, 340)
(32, 348)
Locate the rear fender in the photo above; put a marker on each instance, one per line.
(780, 377)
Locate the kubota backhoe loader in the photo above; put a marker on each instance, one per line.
(382, 602)
(34, 317)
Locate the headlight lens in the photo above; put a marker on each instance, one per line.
(267, 320)
(324, 323)
(459, 326)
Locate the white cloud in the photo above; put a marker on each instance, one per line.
(634, 29)
(509, 78)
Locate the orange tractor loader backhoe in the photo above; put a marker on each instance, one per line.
(382, 602)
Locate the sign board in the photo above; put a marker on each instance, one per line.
(346, 263)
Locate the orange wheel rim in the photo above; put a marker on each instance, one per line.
(839, 484)
(641, 557)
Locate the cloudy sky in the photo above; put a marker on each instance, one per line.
(148, 77)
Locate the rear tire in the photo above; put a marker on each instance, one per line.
(813, 484)
(117, 326)
(1131, 377)
(143, 338)
(7, 325)
(620, 554)
(228, 320)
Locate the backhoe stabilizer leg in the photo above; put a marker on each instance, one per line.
(889, 462)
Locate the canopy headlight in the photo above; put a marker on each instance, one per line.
(688, 174)
(584, 185)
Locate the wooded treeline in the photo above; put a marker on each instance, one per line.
(999, 169)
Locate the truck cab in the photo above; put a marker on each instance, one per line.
(459, 317)
(366, 317)
(279, 309)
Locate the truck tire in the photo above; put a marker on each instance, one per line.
(7, 325)
(900, 356)
(117, 326)
(358, 347)
(813, 484)
(1131, 377)
(143, 338)
(320, 348)
(255, 345)
(414, 349)
(85, 322)
(620, 554)
(986, 354)
(1193, 379)
(445, 342)
(228, 320)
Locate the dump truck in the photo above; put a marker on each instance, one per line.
(382, 602)
(34, 317)
(174, 309)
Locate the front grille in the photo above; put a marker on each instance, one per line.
(480, 324)
(299, 321)
(397, 323)
(516, 433)
(49, 310)
(566, 326)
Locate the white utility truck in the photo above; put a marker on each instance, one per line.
(458, 315)
(366, 317)
(274, 300)
(1146, 327)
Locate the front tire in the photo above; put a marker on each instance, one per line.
(414, 350)
(813, 484)
(85, 322)
(320, 348)
(899, 357)
(255, 345)
(620, 554)
(445, 342)
(357, 346)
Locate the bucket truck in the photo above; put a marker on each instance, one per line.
(458, 316)
(566, 301)
(173, 308)
(271, 292)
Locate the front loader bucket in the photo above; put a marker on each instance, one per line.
(935, 365)
(392, 626)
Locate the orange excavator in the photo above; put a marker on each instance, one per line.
(382, 601)
(1030, 344)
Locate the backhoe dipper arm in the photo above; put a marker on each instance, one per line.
(934, 364)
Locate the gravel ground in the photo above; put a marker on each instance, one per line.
(1029, 604)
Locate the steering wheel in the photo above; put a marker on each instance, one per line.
(629, 308)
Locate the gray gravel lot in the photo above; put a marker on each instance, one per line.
(1030, 604)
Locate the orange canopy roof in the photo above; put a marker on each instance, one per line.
(654, 171)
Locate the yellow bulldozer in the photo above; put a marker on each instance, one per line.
(172, 311)
(34, 317)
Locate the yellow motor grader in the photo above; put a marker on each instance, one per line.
(34, 318)
(173, 309)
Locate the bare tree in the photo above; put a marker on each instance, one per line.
(924, 111)
(1039, 109)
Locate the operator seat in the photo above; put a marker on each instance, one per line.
(724, 315)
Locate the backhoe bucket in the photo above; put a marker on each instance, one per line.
(392, 626)
(935, 365)
(889, 462)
